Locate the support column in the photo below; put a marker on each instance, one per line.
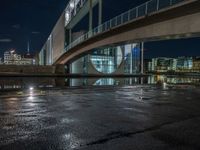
(70, 36)
(90, 15)
(71, 68)
(68, 68)
(51, 49)
(142, 58)
(100, 12)
(131, 60)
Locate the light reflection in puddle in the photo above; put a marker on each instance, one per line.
(71, 140)
(67, 120)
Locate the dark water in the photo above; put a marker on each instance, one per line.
(153, 113)
(24, 83)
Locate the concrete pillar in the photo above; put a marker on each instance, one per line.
(51, 50)
(90, 15)
(70, 68)
(59, 69)
(158, 3)
(67, 68)
(131, 60)
(100, 12)
(142, 57)
(70, 35)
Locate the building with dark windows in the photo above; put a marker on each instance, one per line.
(196, 65)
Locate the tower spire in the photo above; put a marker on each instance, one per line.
(28, 48)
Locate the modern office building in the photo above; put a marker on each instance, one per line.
(180, 64)
(62, 34)
(184, 63)
(54, 46)
(123, 59)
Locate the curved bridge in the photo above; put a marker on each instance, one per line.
(143, 23)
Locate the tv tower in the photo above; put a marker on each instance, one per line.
(28, 48)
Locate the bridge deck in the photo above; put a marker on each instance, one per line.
(152, 26)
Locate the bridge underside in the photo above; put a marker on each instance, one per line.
(180, 21)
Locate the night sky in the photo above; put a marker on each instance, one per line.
(32, 20)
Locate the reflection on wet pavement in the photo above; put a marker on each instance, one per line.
(96, 118)
(48, 83)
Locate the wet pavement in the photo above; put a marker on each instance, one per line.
(140, 117)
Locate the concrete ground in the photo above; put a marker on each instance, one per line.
(102, 118)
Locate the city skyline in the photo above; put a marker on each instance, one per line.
(99, 74)
(18, 28)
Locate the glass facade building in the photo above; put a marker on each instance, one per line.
(123, 59)
(132, 58)
(163, 64)
(107, 60)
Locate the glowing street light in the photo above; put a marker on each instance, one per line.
(31, 88)
(67, 16)
(72, 5)
(12, 51)
(164, 85)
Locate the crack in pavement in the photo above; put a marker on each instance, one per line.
(120, 134)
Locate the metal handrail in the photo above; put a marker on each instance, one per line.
(149, 7)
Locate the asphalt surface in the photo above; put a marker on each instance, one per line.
(101, 118)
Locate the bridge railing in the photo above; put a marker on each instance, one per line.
(149, 7)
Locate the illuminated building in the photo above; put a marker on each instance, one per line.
(12, 58)
(162, 64)
(180, 64)
(132, 58)
(62, 34)
(123, 59)
(184, 64)
(27, 60)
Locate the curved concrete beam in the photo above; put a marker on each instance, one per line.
(182, 20)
